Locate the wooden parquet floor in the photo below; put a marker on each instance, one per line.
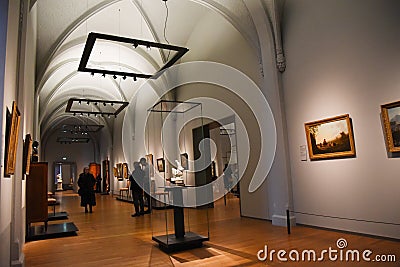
(111, 237)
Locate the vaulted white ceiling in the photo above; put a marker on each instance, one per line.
(63, 27)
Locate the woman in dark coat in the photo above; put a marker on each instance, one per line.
(135, 179)
(86, 184)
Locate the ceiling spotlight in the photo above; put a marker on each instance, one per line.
(81, 114)
(80, 102)
(115, 77)
(115, 116)
(104, 104)
(112, 104)
(104, 75)
(92, 73)
(135, 44)
(88, 102)
(96, 115)
(74, 114)
(124, 77)
(108, 115)
(134, 78)
(148, 48)
(95, 103)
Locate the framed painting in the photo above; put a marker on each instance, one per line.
(119, 170)
(161, 165)
(185, 161)
(125, 171)
(12, 129)
(27, 154)
(330, 138)
(115, 171)
(391, 122)
(149, 159)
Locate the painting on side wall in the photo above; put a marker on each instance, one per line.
(185, 161)
(391, 122)
(161, 165)
(27, 154)
(330, 138)
(149, 160)
(125, 171)
(12, 128)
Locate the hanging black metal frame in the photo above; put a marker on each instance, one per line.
(92, 38)
(122, 104)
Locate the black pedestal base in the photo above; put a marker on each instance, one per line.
(58, 216)
(38, 232)
(169, 243)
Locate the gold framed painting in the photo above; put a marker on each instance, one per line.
(330, 138)
(391, 122)
(12, 129)
(125, 172)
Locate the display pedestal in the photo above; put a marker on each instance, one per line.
(39, 232)
(60, 186)
(179, 240)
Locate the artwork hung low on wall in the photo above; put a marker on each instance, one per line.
(330, 138)
(391, 122)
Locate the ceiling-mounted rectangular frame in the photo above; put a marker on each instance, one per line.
(122, 104)
(171, 106)
(88, 128)
(72, 140)
(92, 38)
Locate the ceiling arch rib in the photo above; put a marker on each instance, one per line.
(63, 99)
(70, 76)
(93, 11)
(59, 112)
(63, 36)
(58, 65)
(251, 39)
(56, 127)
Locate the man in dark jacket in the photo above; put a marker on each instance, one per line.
(135, 179)
(86, 184)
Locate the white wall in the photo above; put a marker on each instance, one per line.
(343, 58)
(215, 39)
(18, 85)
(5, 184)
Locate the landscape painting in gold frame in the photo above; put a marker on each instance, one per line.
(12, 140)
(391, 122)
(330, 138)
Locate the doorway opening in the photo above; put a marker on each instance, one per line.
(64, 176)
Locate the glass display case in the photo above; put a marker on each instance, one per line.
(175, 136)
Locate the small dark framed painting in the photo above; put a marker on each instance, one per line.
(27, 154)
(161, 165)
(185, 161)
(391, 122)
(330, 138)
